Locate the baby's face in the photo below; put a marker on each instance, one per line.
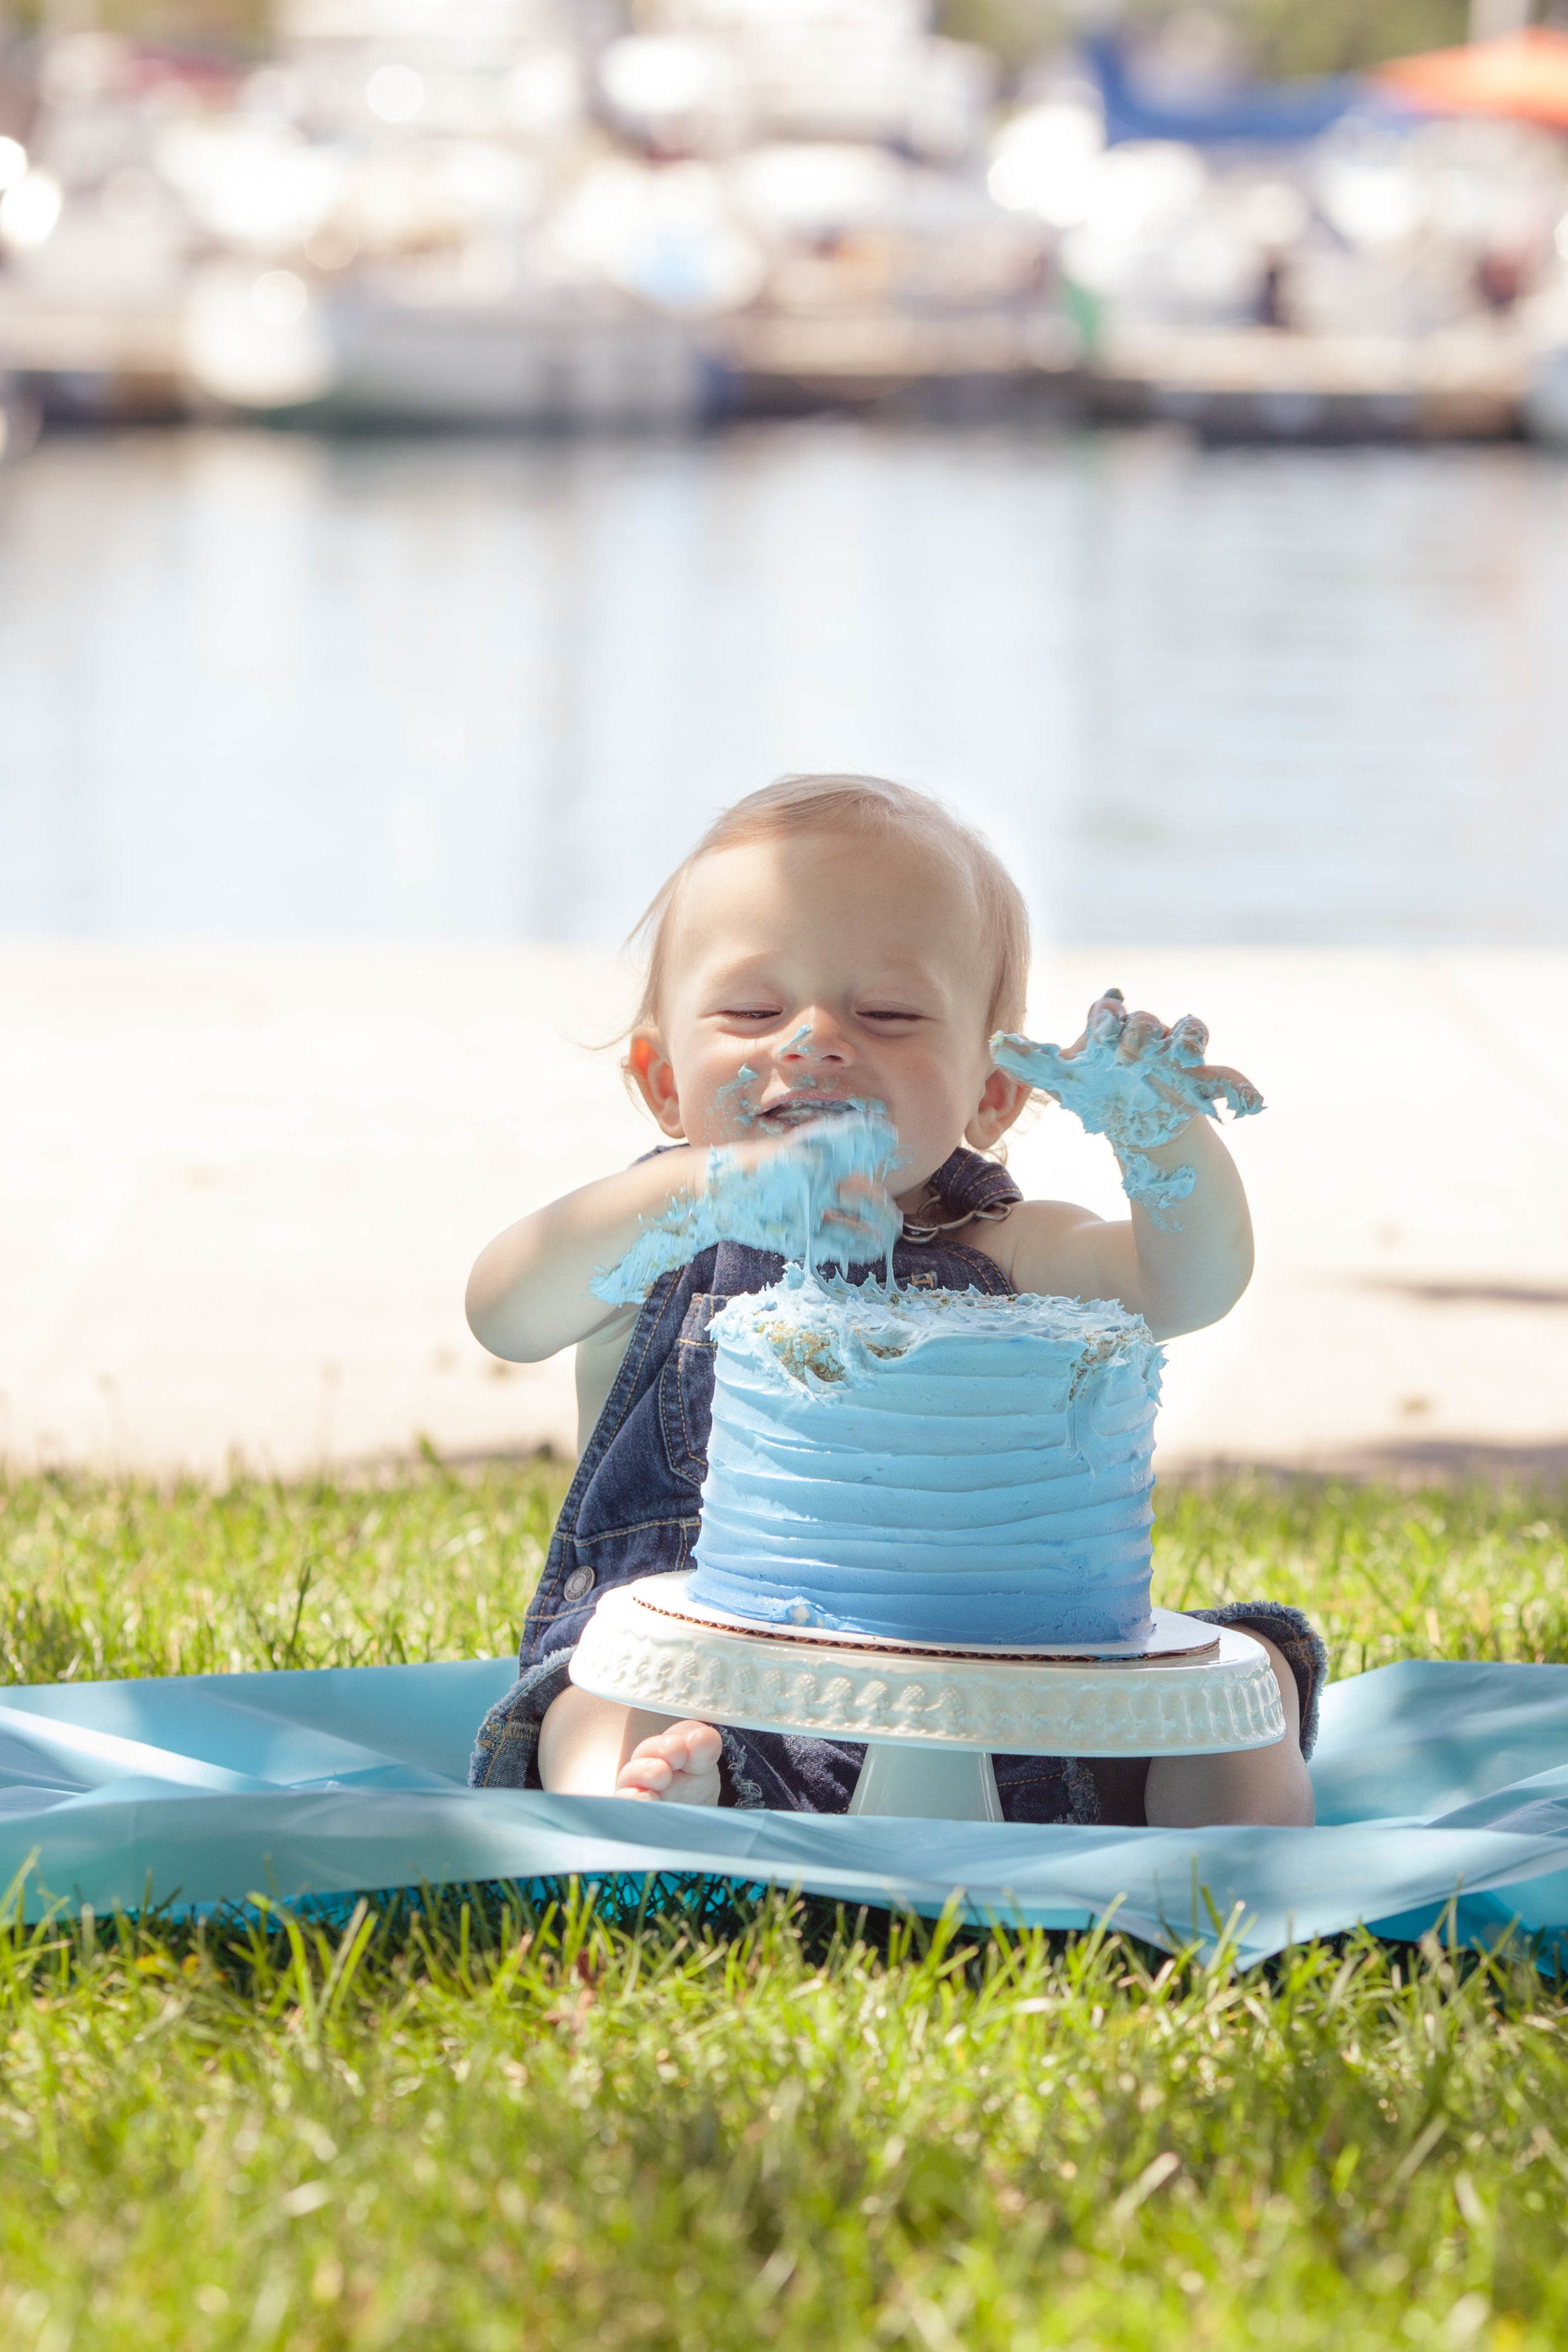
(822, 969)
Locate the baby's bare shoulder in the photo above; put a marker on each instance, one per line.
(1034, 1239)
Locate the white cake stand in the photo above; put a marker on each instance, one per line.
(933, 1720)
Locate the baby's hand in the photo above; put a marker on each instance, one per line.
(821, 1185)
(679, 1767)
(1128, 1077)
(817, 1193)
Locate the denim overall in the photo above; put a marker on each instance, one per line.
(634, 1509)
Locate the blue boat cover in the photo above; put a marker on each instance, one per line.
(1435, 1781)
(1250, 114)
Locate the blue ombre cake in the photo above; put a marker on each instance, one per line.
(932, 1466)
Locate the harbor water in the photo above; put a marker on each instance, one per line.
(262, 685)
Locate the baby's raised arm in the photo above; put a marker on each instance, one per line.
(1186, 1256)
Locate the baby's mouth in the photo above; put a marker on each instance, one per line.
(799, 1109)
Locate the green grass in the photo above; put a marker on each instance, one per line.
(1460, 1572)
(462, 2126)
(472, 2136)
(100, 1578)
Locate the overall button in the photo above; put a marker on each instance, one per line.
(579, 1584)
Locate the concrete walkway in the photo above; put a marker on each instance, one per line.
(242, 1188)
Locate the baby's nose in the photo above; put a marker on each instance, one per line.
(820, 1039)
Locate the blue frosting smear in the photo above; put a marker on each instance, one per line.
(1137, 1101)
(783, 1204)
(933, 1466)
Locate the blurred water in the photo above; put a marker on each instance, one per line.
(260, 684)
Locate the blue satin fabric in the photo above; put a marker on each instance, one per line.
(1433, 1780)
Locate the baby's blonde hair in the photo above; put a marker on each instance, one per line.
(873, 806)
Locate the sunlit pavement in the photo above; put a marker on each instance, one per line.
(242, 1188)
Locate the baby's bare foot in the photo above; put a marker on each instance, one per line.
(679, 1767)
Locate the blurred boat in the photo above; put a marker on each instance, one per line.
(1521, 76)
(1393, 276)
(494, 364)
(1253, 114)
(509, 213)
(484, 212)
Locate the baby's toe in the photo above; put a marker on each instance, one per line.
(697, 1747)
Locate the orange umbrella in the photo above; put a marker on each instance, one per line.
(1524, 75)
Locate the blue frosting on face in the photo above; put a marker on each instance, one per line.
(933, 1466)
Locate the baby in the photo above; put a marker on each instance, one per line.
(838, 941)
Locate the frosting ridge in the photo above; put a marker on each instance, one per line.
(930, 1466)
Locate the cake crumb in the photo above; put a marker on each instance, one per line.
(800, 1352)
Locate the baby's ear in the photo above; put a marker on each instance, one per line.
(1001, 1097)
(649, 1070)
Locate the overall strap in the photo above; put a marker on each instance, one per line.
(965, 1187)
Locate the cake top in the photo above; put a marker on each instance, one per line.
(824, 1339)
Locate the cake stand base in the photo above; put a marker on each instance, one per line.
(927, 1784)
(933, 1718)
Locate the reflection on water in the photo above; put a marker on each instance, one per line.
(260, 684)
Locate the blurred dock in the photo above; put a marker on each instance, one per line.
(1262, 383)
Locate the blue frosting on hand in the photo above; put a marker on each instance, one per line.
(789, 1203)
(1157, 1189)
(1136, 1100)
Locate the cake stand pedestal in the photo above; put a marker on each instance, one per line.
(933, 1720)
